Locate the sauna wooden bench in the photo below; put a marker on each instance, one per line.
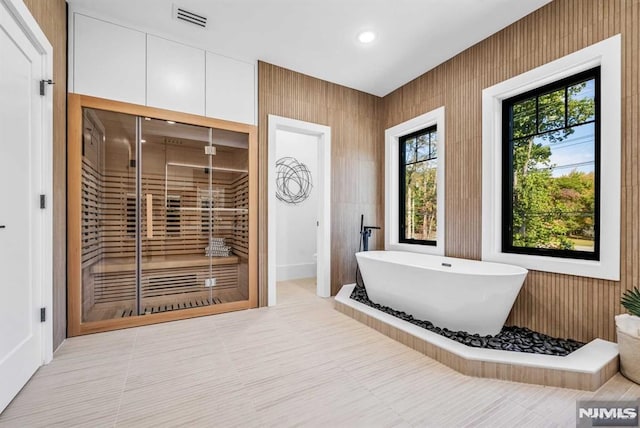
(128, 264)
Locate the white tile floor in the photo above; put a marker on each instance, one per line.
(299, 363)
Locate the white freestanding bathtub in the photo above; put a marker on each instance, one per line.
(458, 294)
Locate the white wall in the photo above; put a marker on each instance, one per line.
(296, 238)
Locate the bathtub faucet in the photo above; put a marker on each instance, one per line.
(366, 234)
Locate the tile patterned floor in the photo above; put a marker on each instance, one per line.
(300, 363)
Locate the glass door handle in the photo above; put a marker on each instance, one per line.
(2, 226)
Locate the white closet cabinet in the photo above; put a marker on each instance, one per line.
(175, 76)
(230, 89)
(108, 60)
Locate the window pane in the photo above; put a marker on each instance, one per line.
(423, 147)
(550, 204)
(551, 111)
(524, 118)
(410, 150)
(554, 190)
(421, 201)
(575, 151)
(433, 144)
(581, 102)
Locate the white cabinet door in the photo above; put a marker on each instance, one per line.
(108, 60)
(175, 76)
(22, 222)
(231, 92)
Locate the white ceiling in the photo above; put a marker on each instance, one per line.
(318, 37)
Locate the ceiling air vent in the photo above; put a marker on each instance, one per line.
(191, 17)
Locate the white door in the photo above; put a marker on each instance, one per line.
(22, 222)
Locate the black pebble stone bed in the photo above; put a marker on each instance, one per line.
(517, 339)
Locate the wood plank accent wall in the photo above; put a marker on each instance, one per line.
(561, 305)
(51, 15)
(357, 185)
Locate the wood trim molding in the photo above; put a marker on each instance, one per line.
(120, 323)
(253, 217)
(74, 215)
(158, 113)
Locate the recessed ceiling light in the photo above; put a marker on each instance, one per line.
(147, 118)
(367, 37)
(171, 122)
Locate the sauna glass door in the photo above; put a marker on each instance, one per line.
(194, 193)
(176, 187)
(165, 219)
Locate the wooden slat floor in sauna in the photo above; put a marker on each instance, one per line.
(192, 303)
(300, 363)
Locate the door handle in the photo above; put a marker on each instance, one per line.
(2, 226)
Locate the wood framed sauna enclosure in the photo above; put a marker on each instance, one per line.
(145, 197)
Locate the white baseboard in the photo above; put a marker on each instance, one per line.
(302, 270)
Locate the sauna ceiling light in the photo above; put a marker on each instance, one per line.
(147, 118)
(143, 141)
(367, 37)
(171, 122)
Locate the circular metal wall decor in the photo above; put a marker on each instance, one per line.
(293, 181)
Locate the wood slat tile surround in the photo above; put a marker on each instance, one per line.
(356, 158)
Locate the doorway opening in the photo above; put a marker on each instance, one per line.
(299, 205)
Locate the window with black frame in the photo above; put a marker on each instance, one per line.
(418, 190)
(551, 168)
